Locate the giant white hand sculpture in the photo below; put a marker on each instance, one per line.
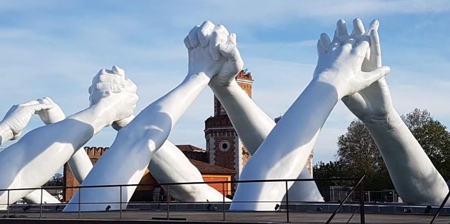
(12, 125)
(337, 74)
(253, 126)
(211, 52)
(413, 174)
(25, 163)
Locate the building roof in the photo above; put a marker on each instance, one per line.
(206, 168)
(190, 148)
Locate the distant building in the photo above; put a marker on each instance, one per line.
(223, 160)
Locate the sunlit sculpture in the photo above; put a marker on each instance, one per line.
(212, 51)
(25, 164)
(338, 73)
(11, 127)
(413, 174)
(253, 126)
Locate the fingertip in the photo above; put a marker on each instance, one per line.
(374, 24)
(358, 28)
(325, 41)
(385, 70)
(118, 71)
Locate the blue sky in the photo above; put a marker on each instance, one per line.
(54, 48)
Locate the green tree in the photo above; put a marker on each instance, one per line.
(359, 155)
(325, 171)
(433, 137)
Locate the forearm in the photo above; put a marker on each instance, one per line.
(80, 164)
(176, 102)
(286, 149)
(410, 168)
(155, 122)
(301, 125)
(250, 122)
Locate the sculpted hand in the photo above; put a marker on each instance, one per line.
(373, 102)
(51, 115)
(117, 94)
(212, 51)
(340, 62)
(17, 118)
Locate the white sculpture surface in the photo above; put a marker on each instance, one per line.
(413, 174)
(338, 73)
(212, 51)
(25, 163)
(79, 163)
(253, 126)
(12, 125)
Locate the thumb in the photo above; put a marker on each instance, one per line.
(375, 75)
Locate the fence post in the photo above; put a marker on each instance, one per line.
(7, 205)
(42, 198)
(223, 201)
(361, 201)
(120, 216)
(167, 199)
(287, 201)
(79, 202)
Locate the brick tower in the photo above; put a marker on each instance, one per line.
(222, 142)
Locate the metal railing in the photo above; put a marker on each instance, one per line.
(285, 205)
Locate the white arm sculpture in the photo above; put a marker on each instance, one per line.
(79, 163)
(211, 52)
(11, 127)
(253, 126)
(413, 174)
(26, 163)
(337, 74)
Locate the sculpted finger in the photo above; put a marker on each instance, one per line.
(118, 71)
(229, 51)
(30, 103)
(232, 39)
(375, 47)
(217, 38)
(373, 25)
(358, 28)
(205, 31)
(187, 43)
(40, 107)
(341, 30)
(320, 49)
(375, 75)
(362, 46)
(325, 41)
(193, 37)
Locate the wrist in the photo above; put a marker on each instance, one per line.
(331, 78)
(388, 121)
(196, 76)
